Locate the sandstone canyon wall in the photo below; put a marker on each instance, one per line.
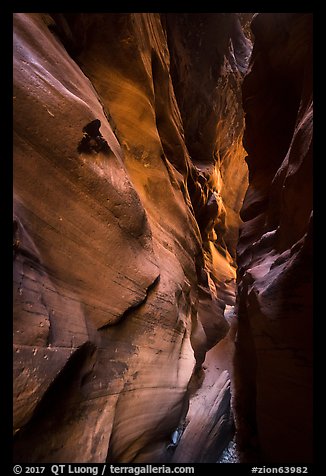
(130, 185)
(274, 342)
(129, 175)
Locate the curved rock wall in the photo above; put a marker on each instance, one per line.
(274, 341)
(124, 242)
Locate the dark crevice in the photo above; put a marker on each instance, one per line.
(134, 307)
(92, 140)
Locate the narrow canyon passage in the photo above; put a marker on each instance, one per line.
(162, 237)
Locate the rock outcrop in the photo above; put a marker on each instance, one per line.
(273, 363)
(129, 175)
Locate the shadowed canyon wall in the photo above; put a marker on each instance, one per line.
(129, 178)
(274, 341)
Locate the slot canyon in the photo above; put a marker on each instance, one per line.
(162, 237)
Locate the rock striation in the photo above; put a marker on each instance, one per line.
(273, 363)
(129, 178)
(125, 226)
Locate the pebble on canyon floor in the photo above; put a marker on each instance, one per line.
(230, 454)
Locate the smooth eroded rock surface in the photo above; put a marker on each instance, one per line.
(125, 228)
(274, 341)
